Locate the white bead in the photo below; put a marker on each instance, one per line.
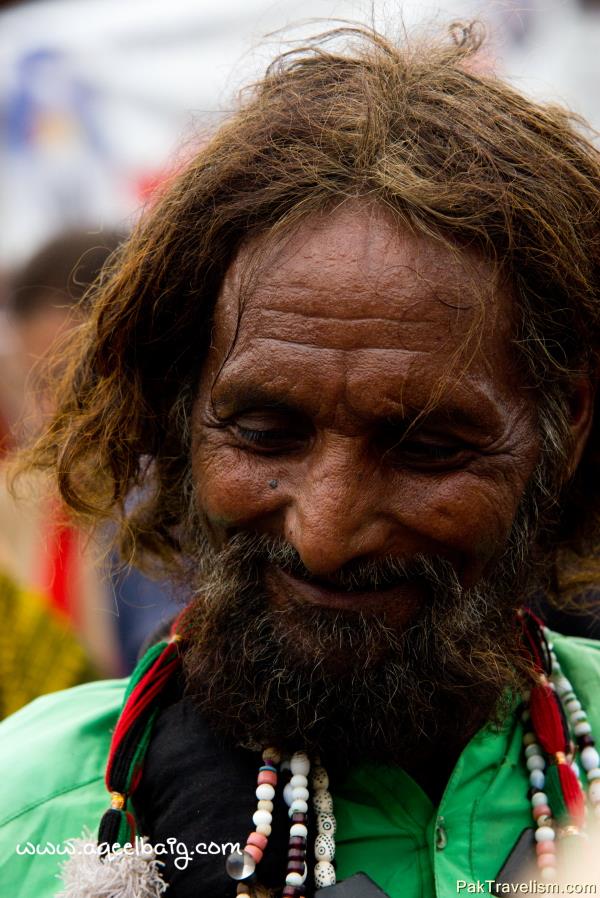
(537, 779)
(264, 829)
(594, 792)
(265, 791)
(548, 873)
(582, 729)
(324, 874)
(261, 817)
(573, 705)
(576, 716)
(298, 806)
(326, 823)
(535, 762)
(589, 758)
(562, 685)
(264, 805)
(539, 798)
(298, 829)
(294, 879)
(532, 750)
(324, 848)
(300, 763)
(323, 802)
(300, 792)
(575, 768)
(320, 780)
(299, 779)
(593, 774)
(545, 834)
(288, 796)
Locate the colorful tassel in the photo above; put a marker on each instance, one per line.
(548, 720)
(131, 737)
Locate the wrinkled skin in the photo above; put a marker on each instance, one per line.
(343, 339)
(362, 406)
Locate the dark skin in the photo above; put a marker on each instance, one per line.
(321, 427)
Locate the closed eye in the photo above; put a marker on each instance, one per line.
(272, 438)
(430, 454)
(270, 431)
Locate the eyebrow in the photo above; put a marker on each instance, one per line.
(232, 400)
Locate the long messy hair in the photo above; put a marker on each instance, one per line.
(416, 126)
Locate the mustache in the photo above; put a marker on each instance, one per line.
(258, 551)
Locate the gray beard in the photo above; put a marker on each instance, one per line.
(347, 684)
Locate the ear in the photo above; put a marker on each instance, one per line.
(581, 408)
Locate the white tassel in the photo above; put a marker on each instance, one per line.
(121, 874)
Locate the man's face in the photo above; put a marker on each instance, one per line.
(364, 503)
(335, 411)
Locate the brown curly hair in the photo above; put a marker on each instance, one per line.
(419, 127)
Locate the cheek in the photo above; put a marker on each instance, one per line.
(474, 514)
(470, 517)
(232, 489)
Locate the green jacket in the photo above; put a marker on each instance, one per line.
(53, 752)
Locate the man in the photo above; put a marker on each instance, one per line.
(41, 549)
(352, 356)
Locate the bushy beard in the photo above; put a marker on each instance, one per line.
(345, 683)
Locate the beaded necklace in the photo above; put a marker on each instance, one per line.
(558, 804)
(241, 865)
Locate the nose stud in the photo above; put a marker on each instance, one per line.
(273, 484)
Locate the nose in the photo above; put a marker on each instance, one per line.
(337, 511)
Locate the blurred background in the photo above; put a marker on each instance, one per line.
(100, 102)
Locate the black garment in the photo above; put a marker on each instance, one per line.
(196, 788)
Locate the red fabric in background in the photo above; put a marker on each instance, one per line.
(62, 563)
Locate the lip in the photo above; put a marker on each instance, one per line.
(311, 594)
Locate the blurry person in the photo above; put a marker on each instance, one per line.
(40, 550)
(46, 300)
(39, 652)
(114, 608)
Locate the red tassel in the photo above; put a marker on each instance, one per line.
(132, 825)
(140, 702)
(148, 688)
(547, 720)
(572, 793)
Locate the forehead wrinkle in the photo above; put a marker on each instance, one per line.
(296, 313)
(254, 304)
(338, 301)
(303, 344)
(347, 334)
